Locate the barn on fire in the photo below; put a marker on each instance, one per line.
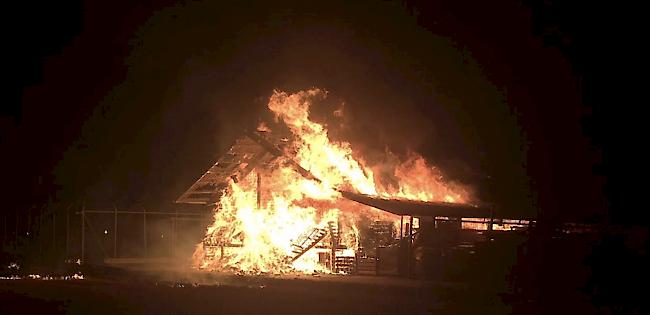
(422, 240)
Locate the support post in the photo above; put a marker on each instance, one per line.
(174, 222)
(67, 233)
(144, 230)
(39, 222)
(115, 233)
(4, 233)
(491, 223)
(401, 227)
(83, 232)
(16, 235)
(29, 222)
(54, 231)
(333, 245)
(410, 246)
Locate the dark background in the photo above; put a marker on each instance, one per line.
(528, 102)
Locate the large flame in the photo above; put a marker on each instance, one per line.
(255, 236)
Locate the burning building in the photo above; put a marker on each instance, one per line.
(286, 197)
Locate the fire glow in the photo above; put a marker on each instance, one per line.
(273, 220)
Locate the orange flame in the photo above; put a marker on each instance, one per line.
(246, 238)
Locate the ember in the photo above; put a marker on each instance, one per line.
(281, 208)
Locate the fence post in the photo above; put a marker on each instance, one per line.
(115, 233)
(67, 233)
(83, 231)
(54, 231)
(144, 230)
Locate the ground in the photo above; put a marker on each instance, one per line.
(203, 293)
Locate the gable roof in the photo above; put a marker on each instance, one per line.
(261, 148)
(235, 164)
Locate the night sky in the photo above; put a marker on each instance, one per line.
(129, 103)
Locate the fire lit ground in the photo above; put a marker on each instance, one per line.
(249, 295)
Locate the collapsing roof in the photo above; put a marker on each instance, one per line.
(251, 150)
(238, 162)
(258, 148)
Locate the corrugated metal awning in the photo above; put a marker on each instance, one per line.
(419, 208)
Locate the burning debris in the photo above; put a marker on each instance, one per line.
(13, 273)
(278, 198)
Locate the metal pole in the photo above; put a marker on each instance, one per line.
(4, 232)
(54, 231)
(16, 236)
(333, 244)
(144, 230)
(115, 234)
(29, 221)
(401, 226)
(171, 237)
(490, 224)
(83, 231)
(29, 224)
(67, 233)
(174, 222)
(39, 221)
(410, 262)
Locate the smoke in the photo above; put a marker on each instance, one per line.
(198, 77)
